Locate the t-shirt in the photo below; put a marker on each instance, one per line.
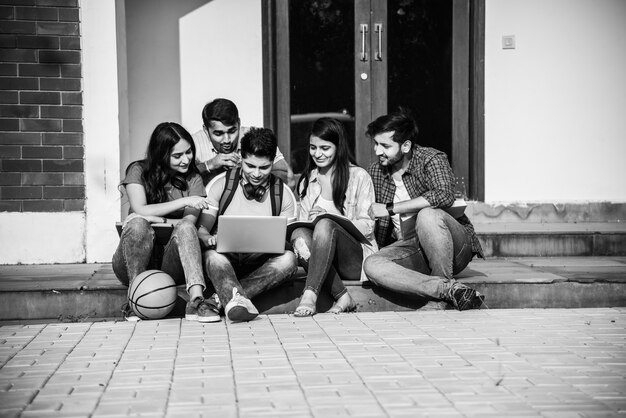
(327, 205)
(401, 195)
(240, 205)
(205, 150)
(195, 187)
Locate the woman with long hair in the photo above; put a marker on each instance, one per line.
(165, 187)
(332, 183)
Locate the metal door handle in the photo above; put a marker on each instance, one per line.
(363, 39)
(378, 27)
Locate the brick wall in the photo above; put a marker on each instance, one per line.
(41, 139)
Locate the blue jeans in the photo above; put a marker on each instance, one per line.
(258, 272)
(328, 254)
(423, 265)
(137, 252)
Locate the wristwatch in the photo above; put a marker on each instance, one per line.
(389, 207)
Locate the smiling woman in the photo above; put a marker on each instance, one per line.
(165, 187)
(181, 156)
(332, 184)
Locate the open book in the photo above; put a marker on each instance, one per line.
(407, 224)
(344, 222)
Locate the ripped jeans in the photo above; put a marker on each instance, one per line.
(423, 265)
(328, 254)
(257, 272)
(180, 258)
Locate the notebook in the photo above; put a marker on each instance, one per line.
(251, 234)
(162, 232)
(344, 222)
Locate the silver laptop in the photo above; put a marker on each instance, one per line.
(251, 234)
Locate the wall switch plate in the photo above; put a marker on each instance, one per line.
(508, 42)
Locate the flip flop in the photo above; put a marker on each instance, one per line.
(304, 310)
(338, 308)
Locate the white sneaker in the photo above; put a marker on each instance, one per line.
(240, 308)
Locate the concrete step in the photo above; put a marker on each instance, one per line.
(536, 239)
(79, 292)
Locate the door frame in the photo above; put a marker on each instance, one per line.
(468, 86)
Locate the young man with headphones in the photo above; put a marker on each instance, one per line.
(410, 179)
(250, 190)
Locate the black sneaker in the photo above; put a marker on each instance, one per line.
(463, 297)
(202, 310)
(129, 314)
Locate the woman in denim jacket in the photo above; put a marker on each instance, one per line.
(332, 183)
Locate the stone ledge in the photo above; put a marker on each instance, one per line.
(549, 213)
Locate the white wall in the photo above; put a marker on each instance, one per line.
(555, 107)
(221, 56)
(154, 70)
(42, 238)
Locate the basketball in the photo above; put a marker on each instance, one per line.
(152, 294)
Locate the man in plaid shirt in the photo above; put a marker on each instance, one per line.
(410, 179)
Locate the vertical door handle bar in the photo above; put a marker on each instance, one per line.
(378, 27)
(363, 38)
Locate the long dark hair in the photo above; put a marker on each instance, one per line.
(331, 130)
(156, 171)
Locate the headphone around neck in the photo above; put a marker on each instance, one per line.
(253, 193)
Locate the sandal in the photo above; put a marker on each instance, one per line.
(305, 309)
(338, 308)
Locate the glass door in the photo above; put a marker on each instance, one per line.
(321, 68)
(419, 38)
(358, 59)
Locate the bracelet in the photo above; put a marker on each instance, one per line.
(389, 207)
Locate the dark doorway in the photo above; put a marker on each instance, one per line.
(358, 59)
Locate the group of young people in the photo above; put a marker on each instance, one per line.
(247, 175)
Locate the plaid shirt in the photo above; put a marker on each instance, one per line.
(428, 175)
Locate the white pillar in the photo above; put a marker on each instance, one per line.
(101, 125)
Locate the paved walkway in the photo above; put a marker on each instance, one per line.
(513, 363)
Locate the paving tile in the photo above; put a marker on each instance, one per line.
(8, 412)
(204, 411)
(16, 399)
